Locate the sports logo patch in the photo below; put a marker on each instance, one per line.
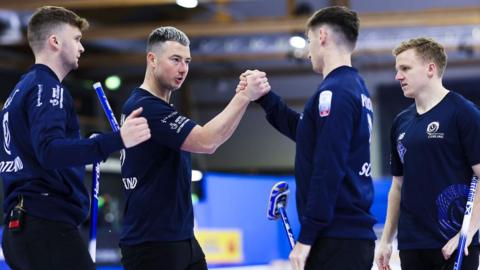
(432, 129)
(325, 103)
(401, 151)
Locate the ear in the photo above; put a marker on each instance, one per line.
(431, 70)
(53, 41)
(322, 34)
(151, 59)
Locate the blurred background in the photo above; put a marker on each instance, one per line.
(228, 37)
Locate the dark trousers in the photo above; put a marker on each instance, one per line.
(341, 254)
(432, 259)
(180, 255)
(44, 244)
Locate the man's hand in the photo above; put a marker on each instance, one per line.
(382, 258)
(452, 245)
(298, 256)
(135, 129)
(253, 84)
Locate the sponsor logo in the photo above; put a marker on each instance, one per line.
(57, 97)
(325, 103)
(165, 119)
(178, 124)
(432, 129)
(130, 182)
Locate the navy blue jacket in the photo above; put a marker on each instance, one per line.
(332, 162)
(434, 152)
(42, 156)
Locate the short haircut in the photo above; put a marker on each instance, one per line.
(164, 34)
(341, 19)
(46, 20)
(428, 49)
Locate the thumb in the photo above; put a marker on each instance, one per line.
(466, 250)
(135, 113)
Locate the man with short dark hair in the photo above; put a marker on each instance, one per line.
(158, 221)
(332, 163)
(42, 156)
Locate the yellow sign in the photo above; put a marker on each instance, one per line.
(221, 246)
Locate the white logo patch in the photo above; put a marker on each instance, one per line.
(432, 129)
(39, 95)
(6, 134)
(57, 97)
(325, 103)
(130, 182)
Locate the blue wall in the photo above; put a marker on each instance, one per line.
(240, 201)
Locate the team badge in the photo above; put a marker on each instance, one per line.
(432, 131)
(401, 151)
(325, 103)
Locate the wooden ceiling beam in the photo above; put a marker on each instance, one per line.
(440, 17)
(81, 4)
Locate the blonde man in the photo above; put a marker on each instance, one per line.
(435, 152)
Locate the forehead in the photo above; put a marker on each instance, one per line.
(170, 48)
(407, 57)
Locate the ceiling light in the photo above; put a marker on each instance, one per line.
(187, 3)
(297, 42)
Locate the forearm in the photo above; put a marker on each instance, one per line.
(222, 126)
(62, 153)
(393, 210)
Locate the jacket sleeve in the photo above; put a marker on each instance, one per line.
(279, 115)
(48, 108)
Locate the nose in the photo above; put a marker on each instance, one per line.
(399, 76)
(183, 68)
(81, 49)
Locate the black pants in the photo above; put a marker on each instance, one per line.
(432, 259)
(341, 254)
(44, 244)
(181, 255)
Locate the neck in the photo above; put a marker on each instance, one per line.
(335, 59)
(53, 63)
(152, 86)
(429, 97)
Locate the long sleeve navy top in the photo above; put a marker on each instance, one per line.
(332, 162)
(42, 156)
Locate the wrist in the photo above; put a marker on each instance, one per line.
(243, 97)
